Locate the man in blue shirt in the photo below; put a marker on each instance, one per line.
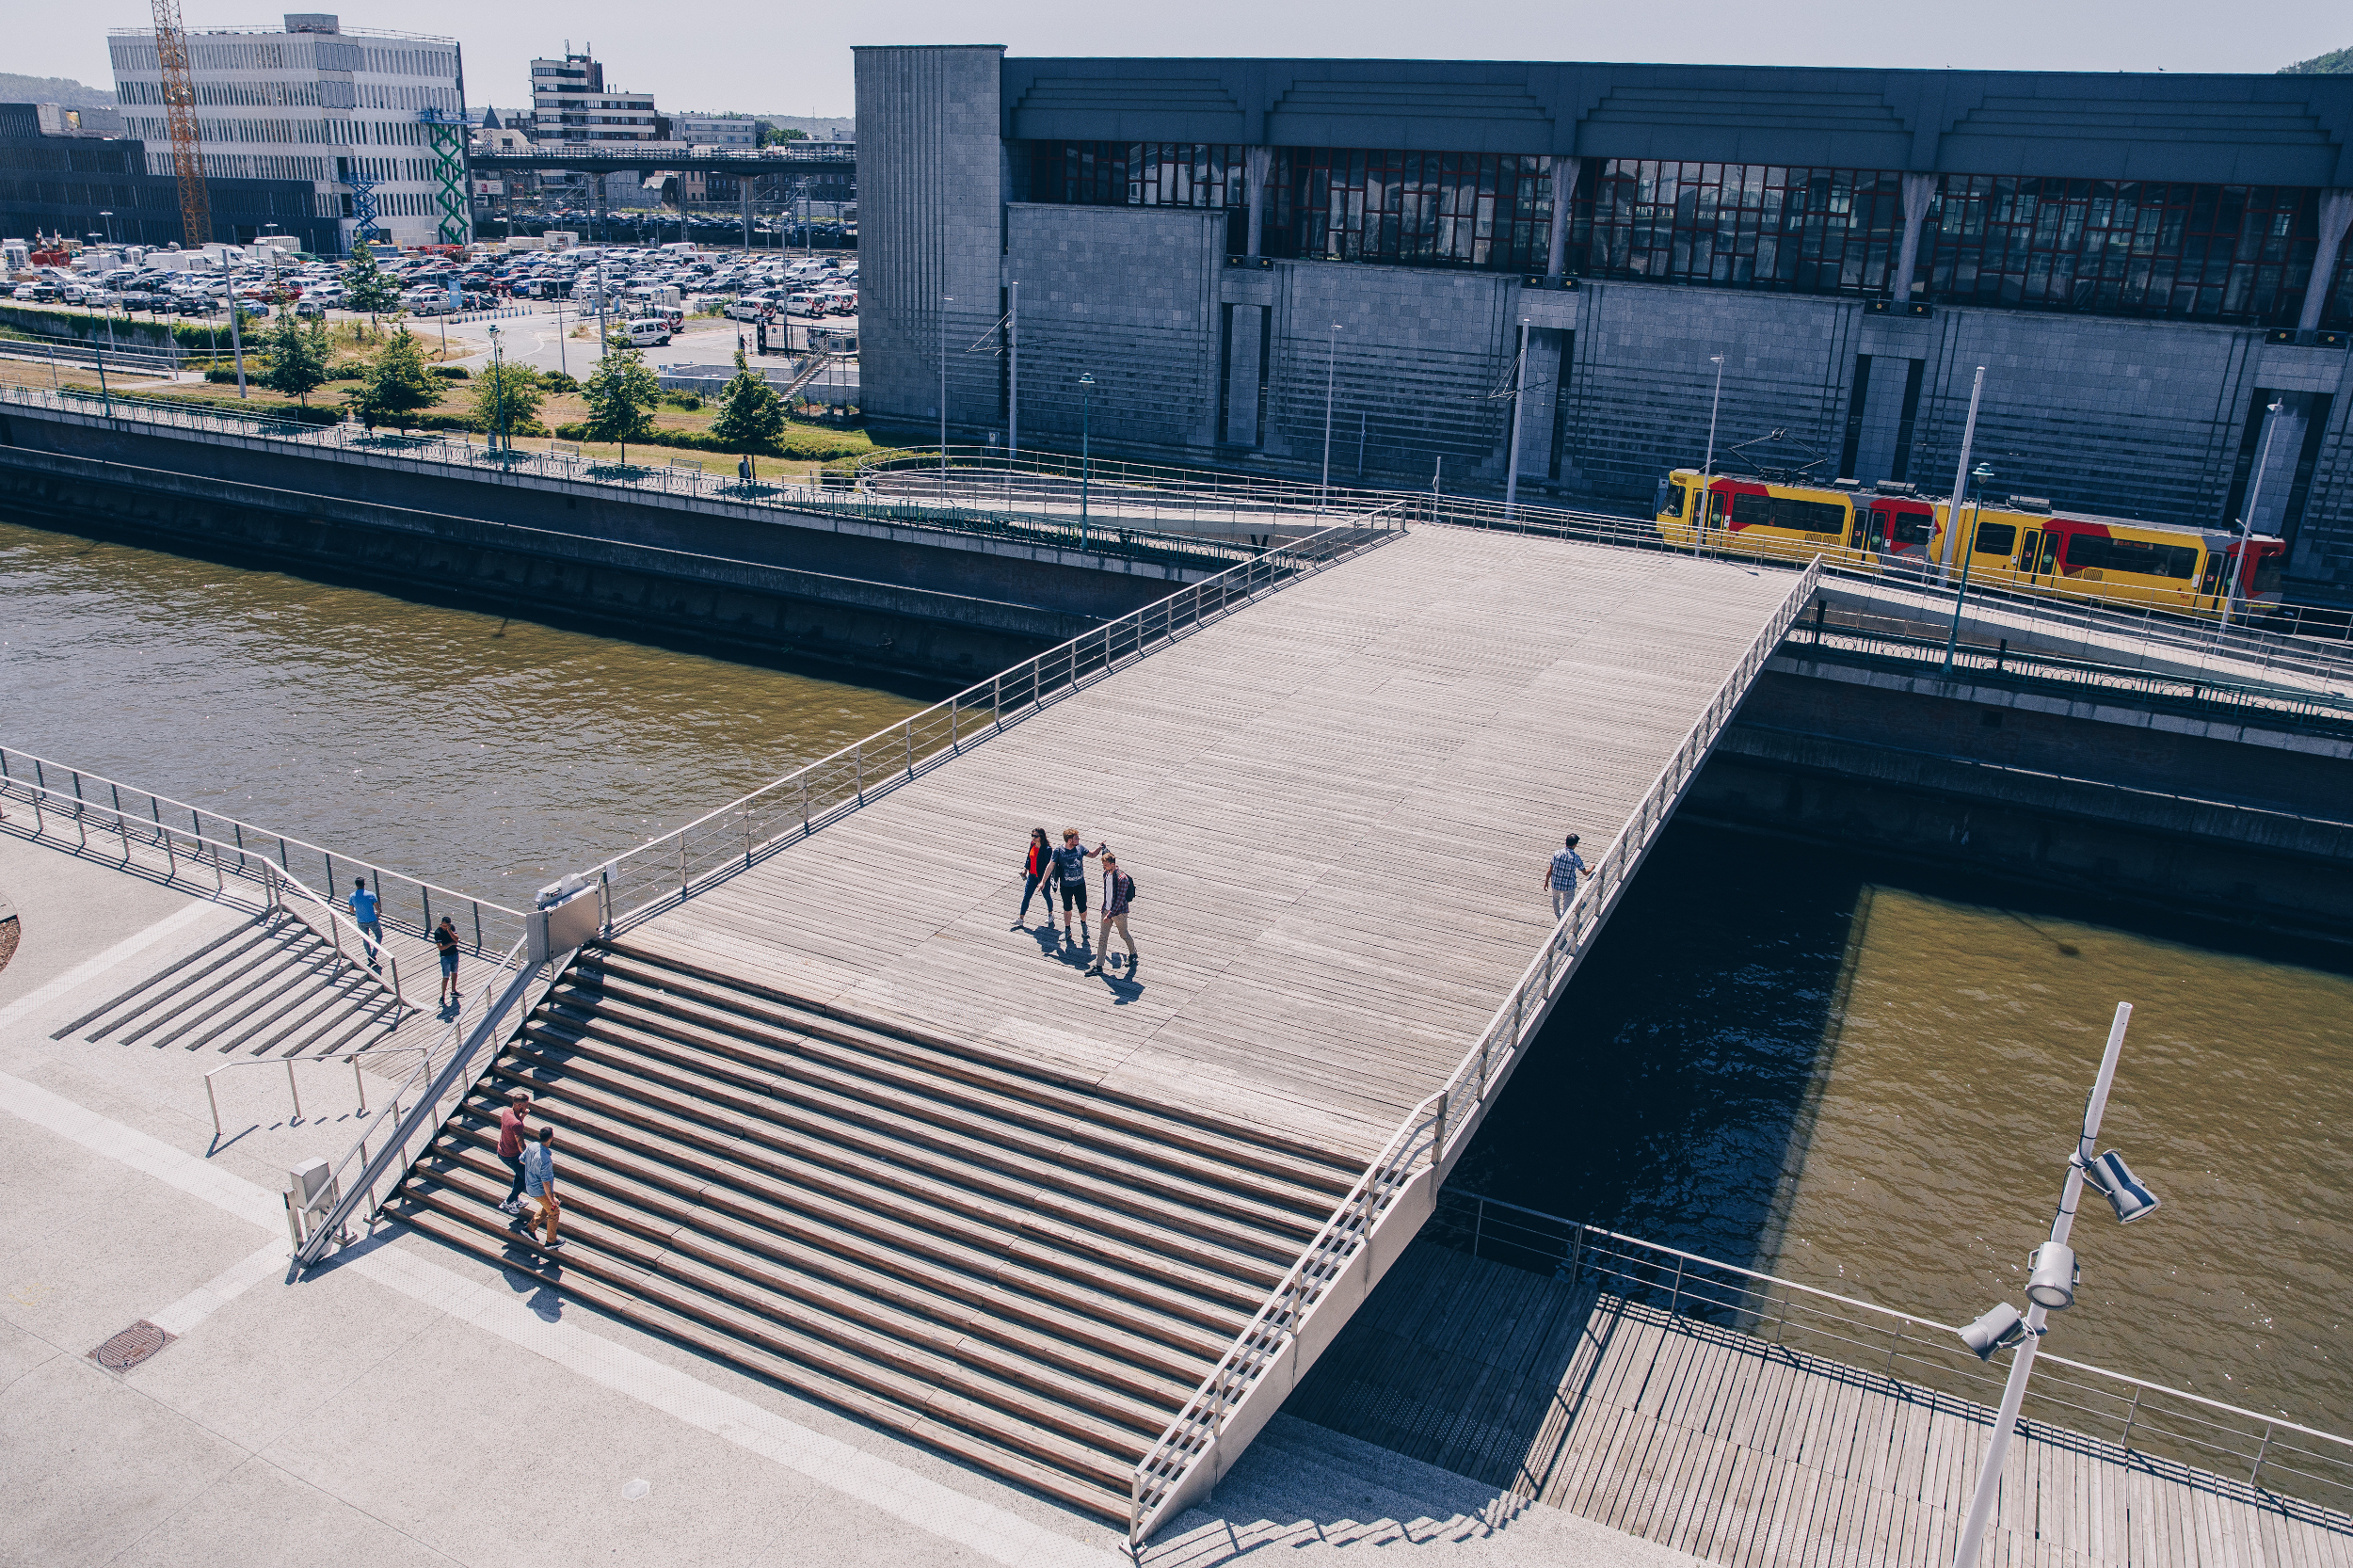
(363, 915)
(1070, 867)
(1562, 875)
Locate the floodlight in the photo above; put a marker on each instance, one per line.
(2123, 1190)
(2001, 1326)
(2052, 1282)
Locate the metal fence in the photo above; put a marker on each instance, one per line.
(402, 901)
(2287, 636)
(2247, 1446)
(1433, 1133)
(666, 871)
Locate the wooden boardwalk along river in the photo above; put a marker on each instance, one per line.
(834, 1117)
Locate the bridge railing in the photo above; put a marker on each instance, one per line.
(668, 870)
(981, 516)
(2242, 1446)
(1432, 1135)
(2300, 637)
(402, 901)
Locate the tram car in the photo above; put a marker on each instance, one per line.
(2019, 540)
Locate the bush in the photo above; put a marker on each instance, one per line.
(556, 381)
(685, 402)
(453, 372)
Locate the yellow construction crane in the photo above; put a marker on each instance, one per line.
(187, 153)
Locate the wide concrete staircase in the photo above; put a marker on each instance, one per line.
(1020, 1270)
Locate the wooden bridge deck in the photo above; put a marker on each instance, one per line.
(1738, 1451)
(1336, 805)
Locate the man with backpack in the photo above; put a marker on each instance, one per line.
(1119, 892)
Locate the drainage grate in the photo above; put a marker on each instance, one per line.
(131, 1347)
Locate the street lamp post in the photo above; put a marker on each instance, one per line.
(945, 300)
(2235, 567)
(499, 441)
(1331, 364)
(1978, 477)
(1512, 452)
(1707, 469)
(110, 226)
(1086, 450)
(2052, 1284)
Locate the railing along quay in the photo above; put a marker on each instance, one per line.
(2289, 707)
(1172, 549)
(2300, 637)
(73, 792)
(2266, 1452)
(1434, 1133)
(667, 870)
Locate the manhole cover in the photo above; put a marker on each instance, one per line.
(131, 1347)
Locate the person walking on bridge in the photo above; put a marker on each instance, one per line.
(446, 944)
(1036, 866)
(1070, 866)
(363, 915)
(1562, 875)
(1119, 892)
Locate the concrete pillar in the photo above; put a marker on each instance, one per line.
(1244, 371)
(1261, 166)
(1564, 173)
(2336, 211)
(1918, 190)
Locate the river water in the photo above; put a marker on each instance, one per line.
(1835, 1067)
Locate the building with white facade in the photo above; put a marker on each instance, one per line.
(313, 102)
(570, 101)
(727, 131)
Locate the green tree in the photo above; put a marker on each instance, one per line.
(298, 358)
(621, 396)
(397, 383)
(366, 288)
(2337, 62)
(751, 415)
(506, 397)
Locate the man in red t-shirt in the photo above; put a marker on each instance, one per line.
(511, 1145)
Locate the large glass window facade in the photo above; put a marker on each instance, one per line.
(2236, 253)
(1489, 211)
(1141, 174)
(1751, 226)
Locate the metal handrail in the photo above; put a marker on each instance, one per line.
(1752, 1300)
(1427, 1134)
(2055, 603)
(334, 1207)
(161, 835)
(288, 1062)
(258, 840)
(795, 806)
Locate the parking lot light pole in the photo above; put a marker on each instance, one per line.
(1978, 477)
(945, 300)
(1086, 449)
(1331, 364)
(236, 339)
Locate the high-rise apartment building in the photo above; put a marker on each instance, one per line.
(727, 131)
(314, 103)
(570, 101)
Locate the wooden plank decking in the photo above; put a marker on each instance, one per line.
(1335, 802)
(1735, 1450)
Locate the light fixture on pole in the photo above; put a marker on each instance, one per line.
(1086, 450)
(2051, 1286)
(1960, 474)
(1978, 477)
(1512, 451)
(2234, 557)
(945, 300)
(498, 396)
(1707, 469)
(1331, 364)
(1012, 378)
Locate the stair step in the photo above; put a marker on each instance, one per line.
(967, 1141)
(1119, 1346)
(1106, 1499)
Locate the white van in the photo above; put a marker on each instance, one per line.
(650, 332)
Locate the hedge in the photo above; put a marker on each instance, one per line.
(798, 442)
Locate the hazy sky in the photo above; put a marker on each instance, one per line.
(703, 55)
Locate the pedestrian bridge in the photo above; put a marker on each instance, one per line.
(831, 1115)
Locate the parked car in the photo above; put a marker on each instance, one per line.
(646, 332)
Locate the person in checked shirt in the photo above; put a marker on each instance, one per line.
(1119, 891)
(1562, 875)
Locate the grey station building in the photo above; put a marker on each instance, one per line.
(2148, 266)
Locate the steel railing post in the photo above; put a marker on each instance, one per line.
(292, 1091)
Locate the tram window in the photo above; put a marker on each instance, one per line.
(1996, 538)
(1672, 505)
(1751, 511)
(2143, 556)
(1911, 528)
(2269, 567)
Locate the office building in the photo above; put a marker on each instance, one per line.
(2146, 264)
(313, 103)
(729, 132)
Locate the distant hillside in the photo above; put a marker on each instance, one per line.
(51, 90)
(2337, 62)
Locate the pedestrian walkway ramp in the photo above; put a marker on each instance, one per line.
(1025, 1270)
(271, 987)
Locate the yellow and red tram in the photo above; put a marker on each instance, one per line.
(2017, 540)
